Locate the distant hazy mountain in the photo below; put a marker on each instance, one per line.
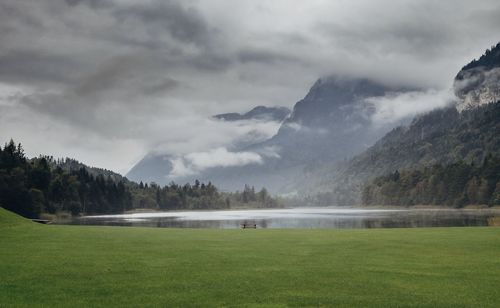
(152, 168)
(478, 82)
(332, 123)
(258, 113)
(157, 167)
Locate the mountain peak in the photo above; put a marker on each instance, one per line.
(334, 99)
(343, 87)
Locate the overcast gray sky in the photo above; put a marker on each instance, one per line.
(106, 81)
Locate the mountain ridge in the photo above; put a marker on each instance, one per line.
(257, 113)
(332, 122)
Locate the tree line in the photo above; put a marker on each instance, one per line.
(40, 185)
(456, 184)
(30, 187)
(199, 196)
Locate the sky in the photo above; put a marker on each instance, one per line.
(108, 81)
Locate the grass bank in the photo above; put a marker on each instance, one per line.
(118, 266)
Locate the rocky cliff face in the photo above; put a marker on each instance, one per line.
(478, 83)
(477, 86)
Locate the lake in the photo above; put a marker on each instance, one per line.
(301, 218)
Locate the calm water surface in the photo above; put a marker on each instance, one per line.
(302, 218)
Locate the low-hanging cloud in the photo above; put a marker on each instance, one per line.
(194, 163)
(398, 106)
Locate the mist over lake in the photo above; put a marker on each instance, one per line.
(330, 217)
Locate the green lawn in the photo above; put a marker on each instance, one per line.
(120, 266)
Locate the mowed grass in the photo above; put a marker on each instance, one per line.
(73, 266)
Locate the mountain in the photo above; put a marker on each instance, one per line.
(152, 168)
(316, 150)
(331, 123)
(157, 167)
(466, 132)
(277, 114)
(477, 83)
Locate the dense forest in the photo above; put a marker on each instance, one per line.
(198, 196)
(30, 187)
(456, 185)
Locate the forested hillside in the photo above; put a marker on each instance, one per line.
(456, 184)
(443, 136)
(30, 187)
(70, 165)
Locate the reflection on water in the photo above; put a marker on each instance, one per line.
(302, 218)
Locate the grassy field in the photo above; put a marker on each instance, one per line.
(140, 267)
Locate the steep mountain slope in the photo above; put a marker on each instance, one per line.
(442, 136)
(258, 113)
(331, 123)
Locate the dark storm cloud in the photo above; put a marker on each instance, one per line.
(44, 41)
(264, 57)
(92, 3)
(113, 28)
(155, 19)
(184, 24)
(31, 66)
(101, 54)
(160, 87)
(210, 62)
